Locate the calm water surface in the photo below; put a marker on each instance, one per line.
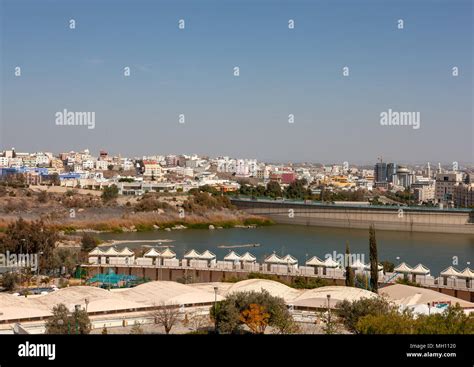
(434, 250)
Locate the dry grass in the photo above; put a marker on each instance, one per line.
(145, 221)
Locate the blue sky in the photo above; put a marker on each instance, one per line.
(282, 72)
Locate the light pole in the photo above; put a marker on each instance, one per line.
(37, 269)
(329, 313)
(23, 240)
(215, 309)
(87, 303)
(429, 308)
(288, 268)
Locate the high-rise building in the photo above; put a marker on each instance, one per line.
(380, 172)
(391, 171)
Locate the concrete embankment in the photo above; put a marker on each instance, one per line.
(409, 219)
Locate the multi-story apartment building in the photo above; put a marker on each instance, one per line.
(152, 169)
(445, 184)
(101, 165)
(463, 195)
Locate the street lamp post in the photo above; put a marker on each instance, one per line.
(215, 309)
(329, 312)
(23, 240)
(37, 269)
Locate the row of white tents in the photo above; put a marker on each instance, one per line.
(273, 259)
(288, 260)
(420, 269)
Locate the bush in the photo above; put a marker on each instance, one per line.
(149, 203)
(62, 322)
(88, 242)
(110, 193)
(233, 312)
(9, 281)
(43, 197)
(352, 312)
(452, 321)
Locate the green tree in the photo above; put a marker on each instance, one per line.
(452, 321)
(393, 322)
(297, 190)
(9, 281)
(228, 313)
(63, 322)
(65, 257)
(273, 189)
(349, 270)
(352, 312)
(388, 266)
(374, 272)
(24, 237)
(110, 193)
(88, 242)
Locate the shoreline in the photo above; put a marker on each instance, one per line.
(149, 223)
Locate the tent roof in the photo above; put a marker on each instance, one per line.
(468, 273)
(358, 264)
(192, 254)
(288, 259)
(168, 254)
(152, 253)
(232, 256)
(450, 272)
(403, 268)
(330, 263)
(248, 257)
(274, 259)
(420, 269)
(315, 261)
(126, 252)
(96, 251)
(111, 252)
(207, 255)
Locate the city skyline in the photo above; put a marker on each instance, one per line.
(370, 163)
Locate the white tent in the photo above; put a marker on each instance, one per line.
(359, 265)
(403, 268)
(421, 270)
(232, 256)
(168, 254)
(192, 254)
(248, 258)
(126, 252)
(450, 272)
(96, 252)
(467, 273)
(207, 255)
(379, 267)
(152, 253)
(315, 261)
(274, 259)
(290, 260)
(111, 252)
(330, 263)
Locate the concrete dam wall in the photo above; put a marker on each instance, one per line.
(409, 219)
